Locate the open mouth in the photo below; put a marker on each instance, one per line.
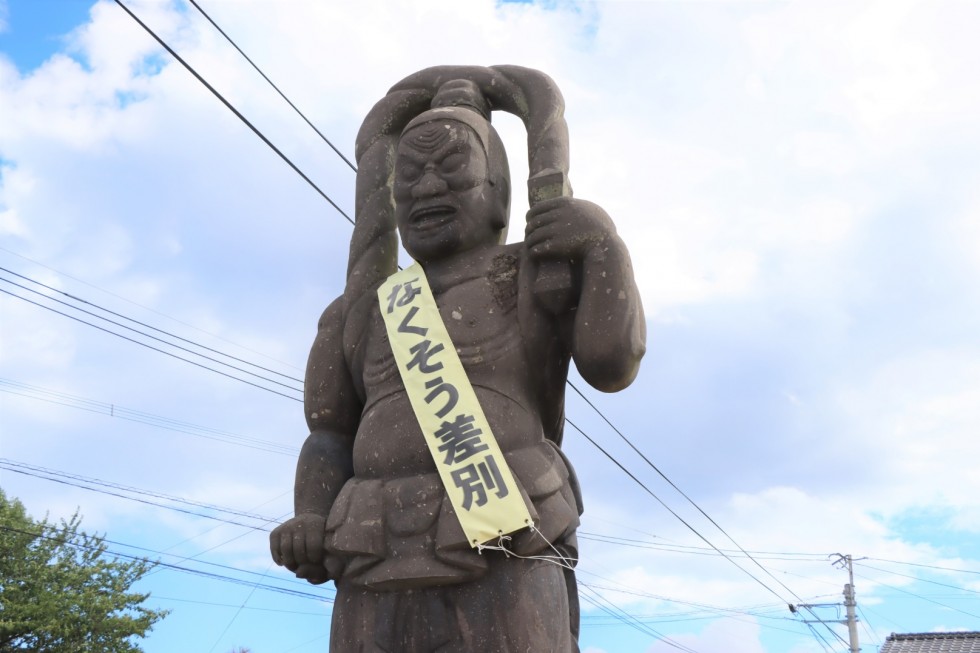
(429, 217)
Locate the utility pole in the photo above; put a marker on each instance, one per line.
(849, 602)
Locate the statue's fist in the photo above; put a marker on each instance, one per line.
(566, 228)
(298, 545)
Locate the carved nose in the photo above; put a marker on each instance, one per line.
(430, 185)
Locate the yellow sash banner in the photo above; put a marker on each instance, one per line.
(472, 467)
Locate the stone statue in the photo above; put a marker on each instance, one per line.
(372, 511)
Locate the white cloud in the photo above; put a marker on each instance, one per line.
(730, 635)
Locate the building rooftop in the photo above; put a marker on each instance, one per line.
(965, 642)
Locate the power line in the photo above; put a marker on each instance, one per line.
(695, 550)
(65, 478)
(58, 477)
(147, 335)
(596, 599)
(146, 308)
(157, 349)
(867, 627)
(918, 596)
(819, 637)
(174, 567)
(47, 474)
(157, 597)
(86, 482)
(681, 492)
(753, 611)
(600, 602)
(281, 94)
(140, 417)
(921, 580)
(238, 611)
(695, 531)
(53, 474)
(670, 510)
(235, 111)
(916, 564)
(148, 326)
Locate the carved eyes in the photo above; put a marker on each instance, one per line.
(456, 162)
(408, 172)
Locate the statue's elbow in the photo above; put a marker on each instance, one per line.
(612, 372)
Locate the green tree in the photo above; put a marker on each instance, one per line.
(61, 593)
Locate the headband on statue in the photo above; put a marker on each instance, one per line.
(459, 100)
(471, 119)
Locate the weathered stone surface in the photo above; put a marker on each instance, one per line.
(371, 511)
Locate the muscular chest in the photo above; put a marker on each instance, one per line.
(481, 317)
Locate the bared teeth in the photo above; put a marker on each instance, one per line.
(432, 212)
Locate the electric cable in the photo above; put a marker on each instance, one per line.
(918, 596)
(696, 550)
(188, 570)
(281, 94)
(695, 531)
(146, 308)
(921, 580)
(157, 597)
(157, 349)
(596, 599)
(681, 492)
(899, 627)
(305, 644)
(66, 479)
(867, 628)
(52, 474)
(670, 510)
(48, 474)
(238, 611)
(196, 556)
(147, 335)
(121, 412)
(819, 637)
(235, 111)
(82, 486)
(916, 564)
(751, 611)
(143, 324)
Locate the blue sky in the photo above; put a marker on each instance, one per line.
(796, 182)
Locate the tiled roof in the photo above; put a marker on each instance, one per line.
(933, 643)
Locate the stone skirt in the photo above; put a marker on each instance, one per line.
(403, 533)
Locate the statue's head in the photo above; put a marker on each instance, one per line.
(452, 182)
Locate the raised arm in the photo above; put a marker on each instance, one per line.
(325, 461)
(608, 327)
